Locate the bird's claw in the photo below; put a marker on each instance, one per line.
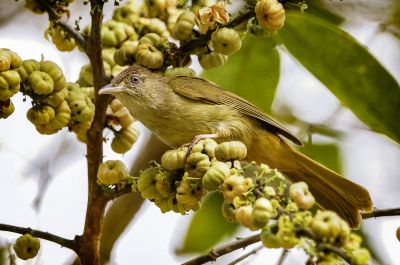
(195, 140)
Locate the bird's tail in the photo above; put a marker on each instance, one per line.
(331, 190)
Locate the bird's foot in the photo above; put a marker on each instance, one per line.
(195, 140)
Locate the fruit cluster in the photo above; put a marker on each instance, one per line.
(9, 80)
(255, 196)
(124, 138)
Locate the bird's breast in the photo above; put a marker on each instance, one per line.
(180, 124)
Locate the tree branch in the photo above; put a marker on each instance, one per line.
(55, 17)
(97, 199)
(68, 243)
(381, 213)
(223, 250)
(245, 256)
(204, 39)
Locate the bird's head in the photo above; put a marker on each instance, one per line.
(137, 88)
(128, 83)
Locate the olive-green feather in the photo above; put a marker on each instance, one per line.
(200, 89)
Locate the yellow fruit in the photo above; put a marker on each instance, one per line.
(173, 159)
(148, 56)
(40, 115)
(86, 76)
(61, 118)
(226, 41)
(124, 139)
(112, 172)
(184, 26)
(147, 184)
(127, 13)
(113, 33)
(54, 99)
(9, 60)
(41, 83)
(326, 225)
(82, 109)
(215, 176)
(188, 194)
(27, 67)
(26, 247)
(270, 14)
(55, 72)
(228, 151)
(244, 217)
(235, 186)
(212, 60)
(300, 194)
(150, 38)
(60, 39)
(6, 109)
(126, 54)
(262, 212)
(9, 84)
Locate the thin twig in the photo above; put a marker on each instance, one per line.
(56, 18)
(283, 256)
(381, 213)
(68, 243)
(248, 254)
(228, 248)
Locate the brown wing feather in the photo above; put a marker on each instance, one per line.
(203, 90)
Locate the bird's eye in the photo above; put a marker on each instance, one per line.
(135, 79)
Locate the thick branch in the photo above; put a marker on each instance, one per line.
(97, 199)
(68, 243)
(223, 250)
(381, 213)
(55, 17)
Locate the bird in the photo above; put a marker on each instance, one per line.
(179, 109)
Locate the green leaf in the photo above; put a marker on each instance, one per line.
(207, 227)
(326, 154)
(347, 69)
(319, 9)
(252, 73)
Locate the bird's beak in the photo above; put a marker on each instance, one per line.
(111, 90)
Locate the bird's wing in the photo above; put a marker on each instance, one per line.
(200, 89)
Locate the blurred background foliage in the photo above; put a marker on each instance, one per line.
(317, 41)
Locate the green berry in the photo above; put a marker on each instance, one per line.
(149, 56)
(226, 41)
(26, 247)
(147, 183)
(212, 60)
(112, 172)
(262, 212)
(300, 194)
(124, 139)
(173, 159)
(228, 151)
(215, 176)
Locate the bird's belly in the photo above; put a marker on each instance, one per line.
(177, 127)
